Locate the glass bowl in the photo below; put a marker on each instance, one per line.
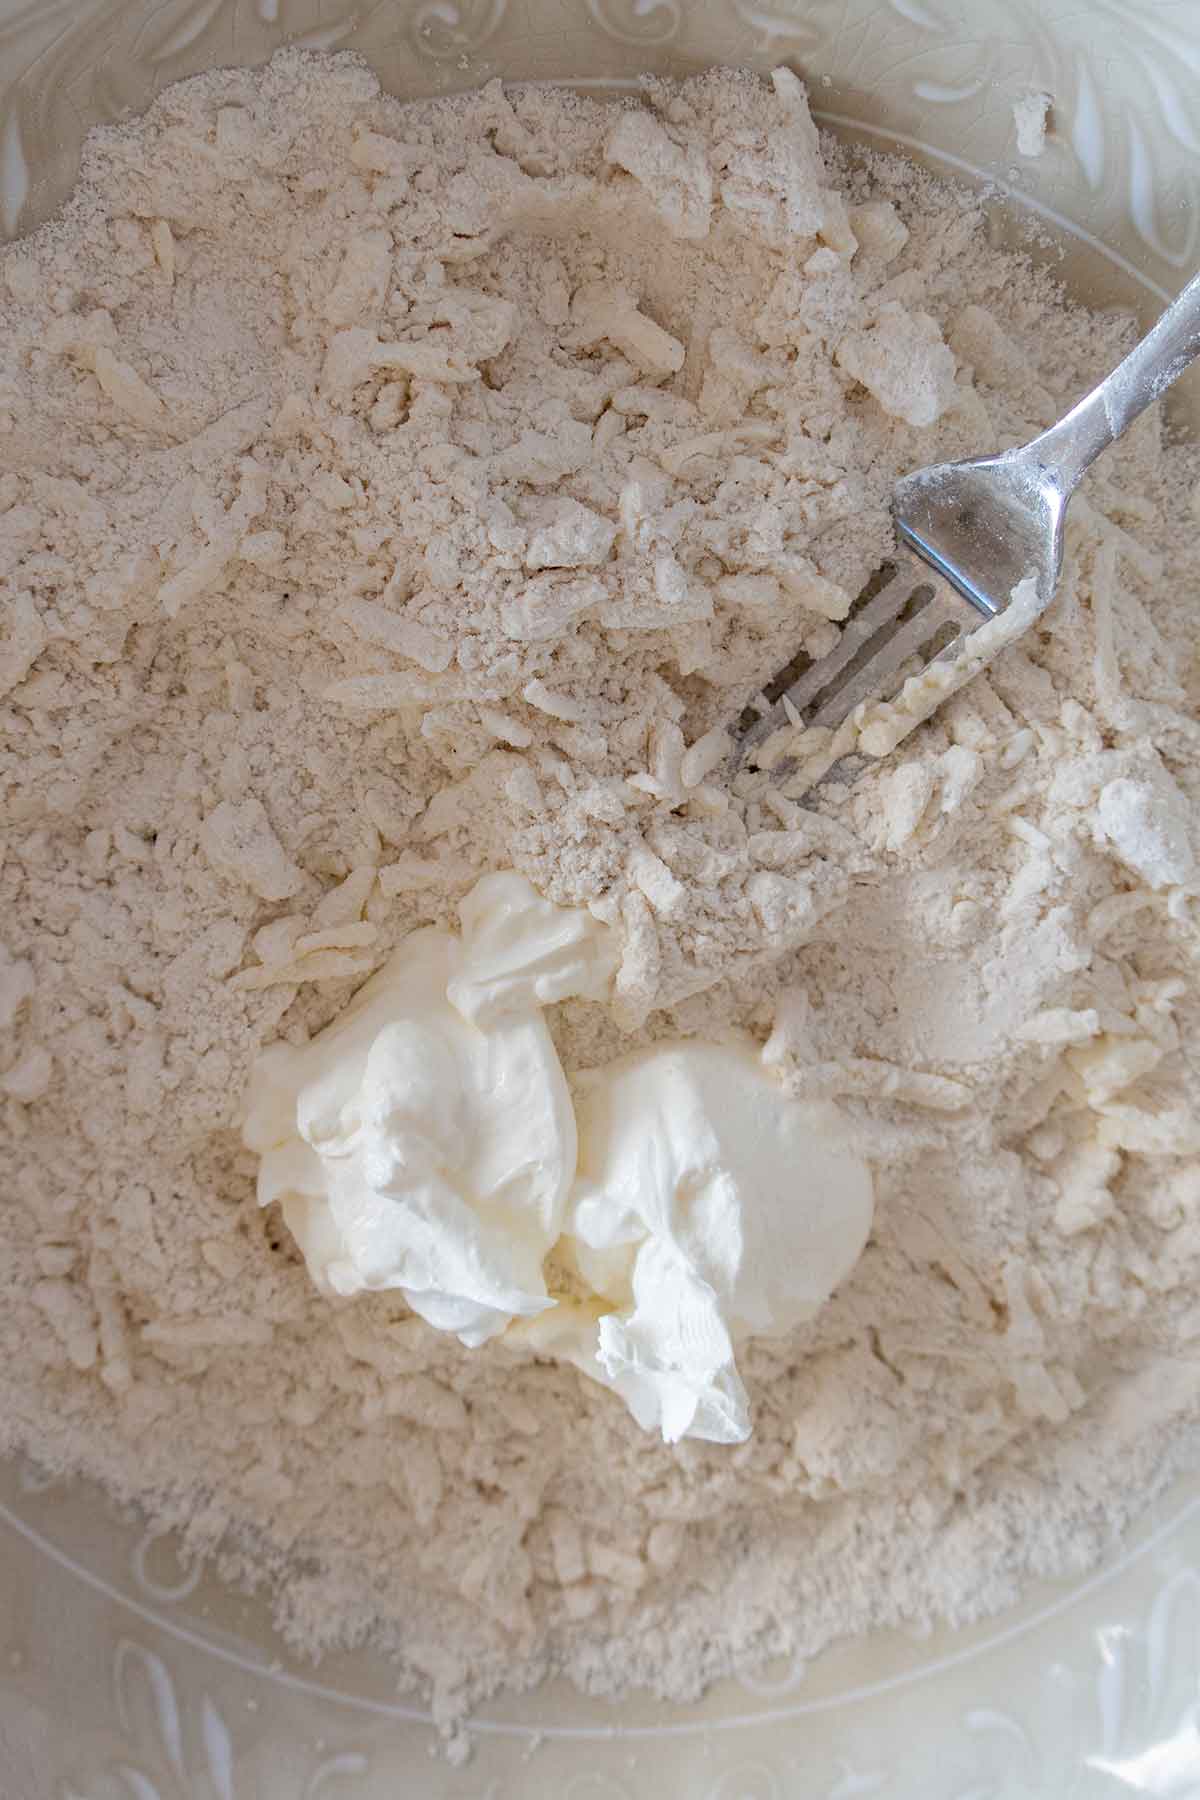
(124, 1676)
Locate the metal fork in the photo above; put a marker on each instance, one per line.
(967, 534)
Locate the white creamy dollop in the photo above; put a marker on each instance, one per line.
(426, 1142)
(709, 1207)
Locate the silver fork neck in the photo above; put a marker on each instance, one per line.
(1069, 448)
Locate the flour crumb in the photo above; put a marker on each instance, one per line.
(1031, 117)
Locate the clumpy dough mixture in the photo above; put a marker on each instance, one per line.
(390, 495)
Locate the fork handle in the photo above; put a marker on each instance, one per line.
(1071, 446)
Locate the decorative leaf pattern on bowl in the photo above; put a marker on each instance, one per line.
(1123, 159)
(1091, 1693)
(165, 1752)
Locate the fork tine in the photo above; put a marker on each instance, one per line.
(881, 657)
(877, 640)
(860, 626)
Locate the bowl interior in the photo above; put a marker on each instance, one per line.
(123, 1674)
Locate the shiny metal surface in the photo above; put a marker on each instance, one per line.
(987, 524)
(969, 533)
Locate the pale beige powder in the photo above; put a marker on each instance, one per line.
(388, 495)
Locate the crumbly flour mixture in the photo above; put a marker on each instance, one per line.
(389, 495)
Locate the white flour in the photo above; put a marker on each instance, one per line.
(389, 495)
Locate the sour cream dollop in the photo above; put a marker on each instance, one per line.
(425, 1140)
(709, 1207)
(428, 1141)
